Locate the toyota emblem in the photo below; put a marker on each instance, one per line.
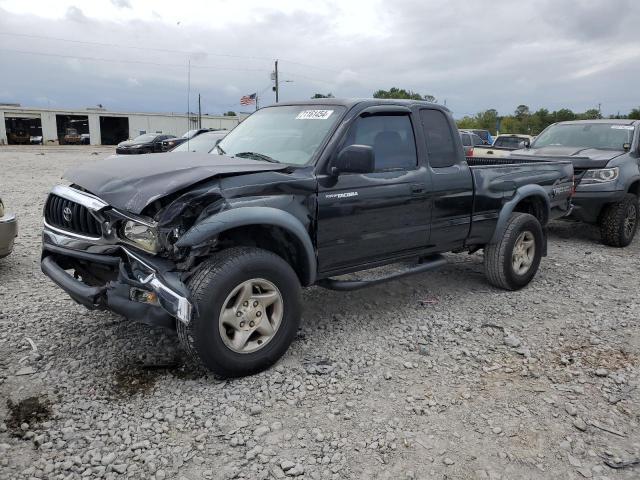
(67, 214)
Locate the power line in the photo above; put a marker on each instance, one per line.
(139, 62)
(164, 50)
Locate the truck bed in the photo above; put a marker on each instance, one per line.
(497, 179)
(495, 161)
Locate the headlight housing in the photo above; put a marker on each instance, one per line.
(143, 236)
(600, 175)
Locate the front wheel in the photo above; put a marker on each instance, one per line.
(619, 222)
(248, 311)
(512, 262)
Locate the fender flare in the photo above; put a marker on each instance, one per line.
(217, 223)
(526, 191)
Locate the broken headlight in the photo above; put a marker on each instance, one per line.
(599, 175)
(143, 236)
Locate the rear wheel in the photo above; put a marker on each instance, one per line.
(248, 311)
(513, 261)
(619, 222)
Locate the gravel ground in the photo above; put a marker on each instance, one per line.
(438, 376)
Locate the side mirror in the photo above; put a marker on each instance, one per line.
(354, 159)
(527, 143)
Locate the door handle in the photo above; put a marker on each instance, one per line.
(417, 189)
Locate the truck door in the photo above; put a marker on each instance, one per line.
(367, 217)
(451, 181)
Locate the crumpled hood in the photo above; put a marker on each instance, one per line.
(581, 157)
(133, 183)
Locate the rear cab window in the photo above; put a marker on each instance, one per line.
(442, 150)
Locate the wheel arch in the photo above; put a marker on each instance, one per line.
(531, 199)
(264, 227)
(634, 187)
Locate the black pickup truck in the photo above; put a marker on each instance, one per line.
(218, 245)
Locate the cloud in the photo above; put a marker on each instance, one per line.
(121, 3)
(476, 54)
(75, 14)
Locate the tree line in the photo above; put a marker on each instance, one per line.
(523, 120)
(532, 123)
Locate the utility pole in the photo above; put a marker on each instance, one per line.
(599, 111)
(276, 88)
(199, 113)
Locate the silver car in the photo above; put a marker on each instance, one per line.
(8, 231)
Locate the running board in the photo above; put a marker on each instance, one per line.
(428, 263)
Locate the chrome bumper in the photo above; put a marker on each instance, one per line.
(136, 272)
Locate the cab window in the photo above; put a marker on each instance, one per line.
(390, 136)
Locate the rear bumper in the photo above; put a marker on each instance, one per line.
(8, 233)
(134, 276)
(588, 205)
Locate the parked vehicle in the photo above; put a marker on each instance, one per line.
(173, 142)
(71, 137)
(18, 137)
(35, 140)
(485, 135)
(146, 143)
(469, 142)
(8, 231)
(218, 245)
(606, 157)
(203, 143)
(85, 139)
(504, 144)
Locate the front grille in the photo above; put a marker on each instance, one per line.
(78, 218)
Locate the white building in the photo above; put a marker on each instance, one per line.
(104, 127)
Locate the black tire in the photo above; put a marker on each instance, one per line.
(619, 222)
(498, 257)
(210, 286)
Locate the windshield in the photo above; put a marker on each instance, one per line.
(202, 143)
(509, 142)
(606, 136)
(147, 137)
(288, 134)
(189, 134)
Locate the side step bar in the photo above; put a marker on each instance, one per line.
(428, 263)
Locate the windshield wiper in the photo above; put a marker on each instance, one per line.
(220, 149)
(256, 156)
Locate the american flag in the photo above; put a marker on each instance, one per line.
(248, 99)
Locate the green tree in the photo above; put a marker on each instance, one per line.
(634, 114)
(395, 92)
(322, 95)
(521, 112)
(564, 115)
(590, 114)
(467, 123)
(230, 114)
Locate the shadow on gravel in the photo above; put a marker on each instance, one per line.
(29, 410)
(569, 229)
(132, 379)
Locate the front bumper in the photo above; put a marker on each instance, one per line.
(8, 233)
(132, 273)
(588, 205)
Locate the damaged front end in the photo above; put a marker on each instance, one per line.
(107, 259)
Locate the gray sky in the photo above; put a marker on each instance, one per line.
(476, 54)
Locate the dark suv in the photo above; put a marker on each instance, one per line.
(606, 161)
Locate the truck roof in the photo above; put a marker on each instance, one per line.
(615, 121)
(351, 102)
